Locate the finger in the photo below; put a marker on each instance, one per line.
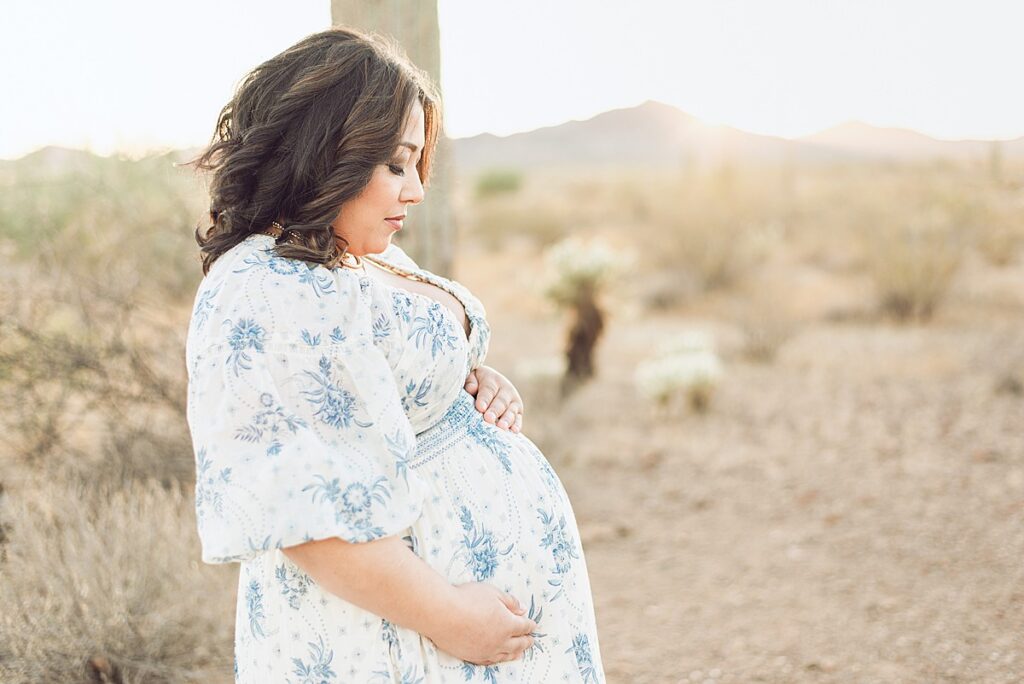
(509, 416)
(484, 396)
(497, 407)
(518, 425)
(518, 645)
(512, 603)
(526, 627)
(471, 382)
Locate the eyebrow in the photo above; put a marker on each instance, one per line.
(409, 145)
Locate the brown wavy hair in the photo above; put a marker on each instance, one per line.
(302, 135)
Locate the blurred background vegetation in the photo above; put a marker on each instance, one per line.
(99, 572)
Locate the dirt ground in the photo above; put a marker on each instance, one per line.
(850, 512)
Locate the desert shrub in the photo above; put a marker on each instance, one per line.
(496, 220)
(765, 329)
(998, 230)
(92, 323)
(913, 265)
(685, 368)
(94, 384)
(108, 215)
(498, 182)
(99, 574)
(713, 228)
(105, 578)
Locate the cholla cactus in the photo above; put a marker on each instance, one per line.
(574, 264)
(686, 366)
(577, 271)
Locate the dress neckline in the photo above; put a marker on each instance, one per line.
(418, 274)
(429, 279)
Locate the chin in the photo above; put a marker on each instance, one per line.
(380, 246)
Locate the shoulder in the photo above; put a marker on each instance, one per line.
(283, 302)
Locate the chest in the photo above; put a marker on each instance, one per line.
(394, 281)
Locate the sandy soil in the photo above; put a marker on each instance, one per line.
(851, 512)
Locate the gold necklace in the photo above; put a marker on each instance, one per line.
(276, 229)
(397, 271)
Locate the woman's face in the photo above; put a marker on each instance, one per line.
(363, 220)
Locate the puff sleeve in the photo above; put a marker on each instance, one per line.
(296, 420)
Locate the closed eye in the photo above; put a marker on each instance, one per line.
(396, 169)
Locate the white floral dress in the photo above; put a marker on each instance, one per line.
(325, 403)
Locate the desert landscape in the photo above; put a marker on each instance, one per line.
(835, 496)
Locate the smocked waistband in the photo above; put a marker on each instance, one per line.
(460, 419)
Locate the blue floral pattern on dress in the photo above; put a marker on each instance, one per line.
(560, 543)
(484, 434)
(402, 452)
(354, 504)
(292, 583)
(416, 395)
(401, 306)
(203, 307)
(208, 485)
(535, 613)
(318, 670)
(254, 602)
(329, 404)
(584, 660)
(433, 330)
(488, 673)
(308, 274)
(479, 551)
(381, 327)
(244, 335)
(336, 406)
(268, 422)
(310, 339)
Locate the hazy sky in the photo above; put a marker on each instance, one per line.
(133, 74)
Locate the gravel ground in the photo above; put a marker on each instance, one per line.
(851, 512)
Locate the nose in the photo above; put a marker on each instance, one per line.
(412, 190)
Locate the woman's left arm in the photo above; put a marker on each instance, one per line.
(496, 397)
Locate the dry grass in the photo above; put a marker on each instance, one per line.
(109, 573)
(99, 576)
(913, 268)
(848, 512)
(999, 232)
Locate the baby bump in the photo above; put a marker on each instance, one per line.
(496, 511)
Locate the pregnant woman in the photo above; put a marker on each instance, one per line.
(386, 531)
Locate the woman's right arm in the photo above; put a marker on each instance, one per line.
(474, 621)
(291, 409)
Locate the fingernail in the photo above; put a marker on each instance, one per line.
(503, 423)
(490, 415)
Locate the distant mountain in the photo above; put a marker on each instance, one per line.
(652, 134)
(51, 159)
(659, 135)
(900, 144)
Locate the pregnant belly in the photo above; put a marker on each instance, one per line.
(496, 511)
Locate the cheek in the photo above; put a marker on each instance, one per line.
(364, 216)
